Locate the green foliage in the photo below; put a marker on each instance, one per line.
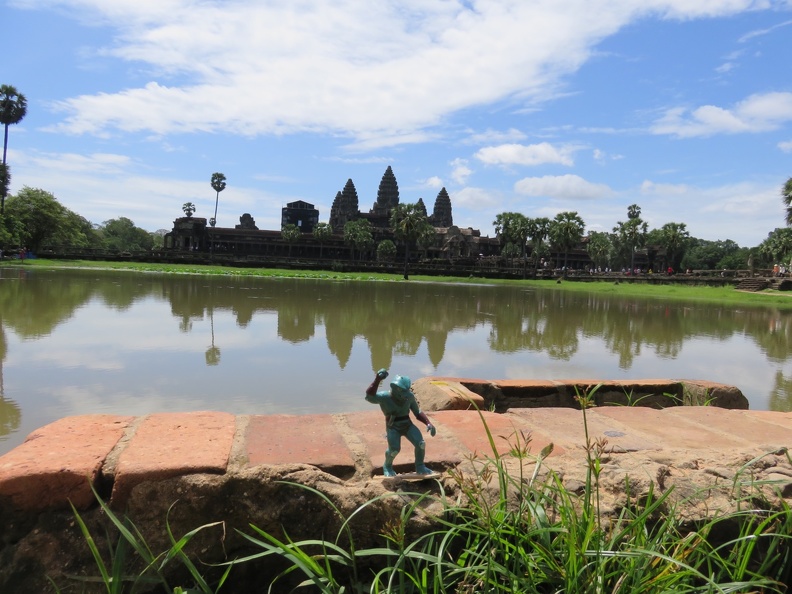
(218, 183)
(410, 225)
(599, 248)
(512, 230)
(36, 218)
(709, 255)
(786, 195)
(291, 234)
(675, 240)
(566, 231)
(321, 233)
(630, 235)
(776, 248)
(123, 236)
(5, 179)
(538, 230)
(189, 209)
(386, 251)
(131, 565)
(358, 234)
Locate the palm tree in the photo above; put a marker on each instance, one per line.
(357, 233)
(786, 193)
(13, 107)
(512, 228)
(409, 223)
(5, 179)
(291, 234)
(566, 231)
(188, 208)
(322, 232)
(674, 238)
(632, 234)
(218, 184)
(599, 248)
(538, 229)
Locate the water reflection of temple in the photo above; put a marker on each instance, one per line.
(399, 318)
(246, 239)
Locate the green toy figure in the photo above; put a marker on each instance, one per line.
(396, 405)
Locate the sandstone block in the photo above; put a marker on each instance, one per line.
(174, 444)
(60, 462)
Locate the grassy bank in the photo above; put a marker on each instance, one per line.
(715, 295)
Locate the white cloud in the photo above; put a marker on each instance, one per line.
(530, 155)
(650, 188)
(106, 186)
(365, 70)
(476, 199)
(785, 146)
(563, 187)
(757, 113)
(460, 171)
(434, 182)
(490, 136)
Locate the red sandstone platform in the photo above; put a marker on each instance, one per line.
(59, 462)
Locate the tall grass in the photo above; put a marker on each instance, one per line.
(509, 524)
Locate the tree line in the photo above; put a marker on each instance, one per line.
(34, 218)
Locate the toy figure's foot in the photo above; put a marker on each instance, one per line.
(387, 470)
(423, 470)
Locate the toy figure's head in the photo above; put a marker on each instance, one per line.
(400, 387)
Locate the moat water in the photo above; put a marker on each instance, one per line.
(81, 341)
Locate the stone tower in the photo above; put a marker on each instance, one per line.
(345, 207)
(421, 206)
(441, 216)
(387, 194)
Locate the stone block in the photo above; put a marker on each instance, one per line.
(300, 439)
(59, 462)
(174, 444)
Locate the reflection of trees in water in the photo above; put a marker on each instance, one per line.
(213, 352)
(10, 416)
(34, 304)
(396, 318)
(771, 332)
(781, 396)
(10, 413)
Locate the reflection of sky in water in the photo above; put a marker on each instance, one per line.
(144, 357)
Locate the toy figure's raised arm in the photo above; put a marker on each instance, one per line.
(372, 389)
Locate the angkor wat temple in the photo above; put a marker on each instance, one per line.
(193, 234)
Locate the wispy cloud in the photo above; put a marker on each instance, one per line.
(757, 113)
(562, 187)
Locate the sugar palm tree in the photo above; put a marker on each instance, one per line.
(218, 184)
(409, 223)
(13, 107)
(786, 193)
(566, 231)
(322, 232)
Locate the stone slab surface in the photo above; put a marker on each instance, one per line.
(677, 430)
(565, 427)
(740, 424)
(441, 452)
(59, 462)
(468, 429)
(174, 444)
(286, 439)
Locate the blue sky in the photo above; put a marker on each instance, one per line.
(536, 106)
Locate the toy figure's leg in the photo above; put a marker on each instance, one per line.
(394, 446)
(415, 437)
